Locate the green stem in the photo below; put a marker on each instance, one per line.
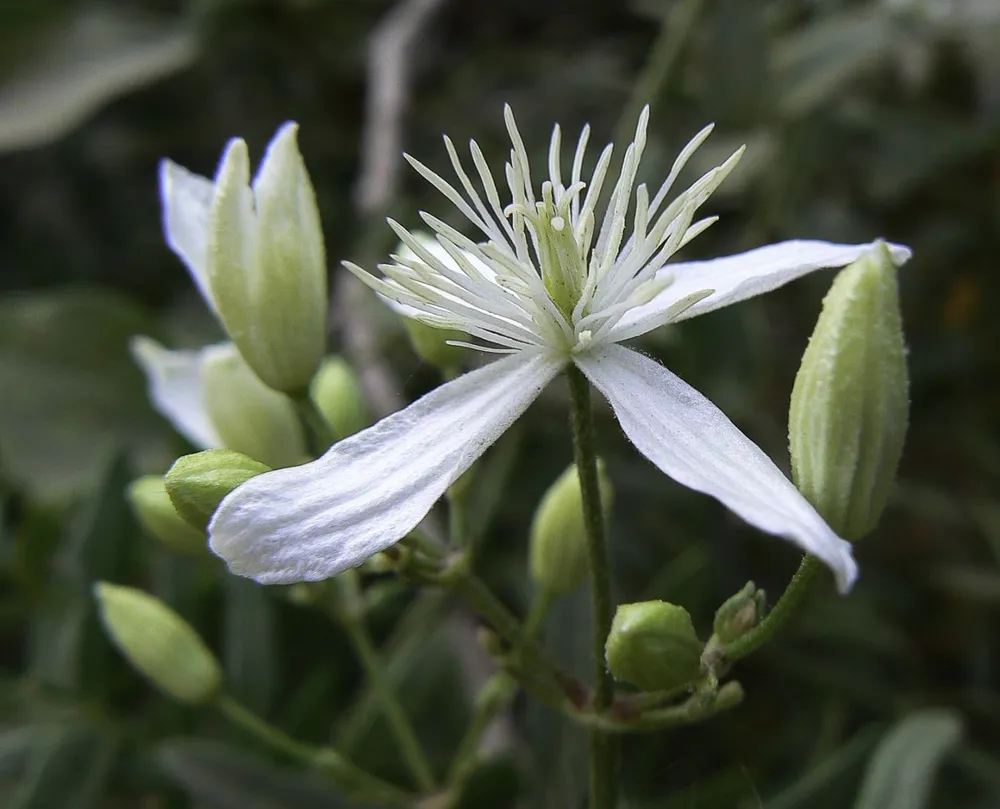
(399, 723)
(787, 606)
(319, 434)
(696, 709)
(531, 656)
(326, 760)
(603, 748)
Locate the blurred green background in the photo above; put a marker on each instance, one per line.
(862, 119)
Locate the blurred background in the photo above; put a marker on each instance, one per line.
(862, 119)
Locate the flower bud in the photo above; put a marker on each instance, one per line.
(197, 483)
(558, 545)
(159, 643)
(337, 393)
(152, 506)
(850, 403)
(249, 416)
(267, 263)
(653, 645)
(739, 613)
(431, 344)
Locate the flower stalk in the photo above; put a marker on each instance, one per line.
(603, 748)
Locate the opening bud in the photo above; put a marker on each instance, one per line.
(558, 545)
(850, 402)
(267, 262)
(197, 483)
(159, 643)
(739, 613)
(337, 393)
(653, 645)
(151, 504)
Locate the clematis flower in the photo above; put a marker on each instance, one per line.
(548, 284)
(216, 402)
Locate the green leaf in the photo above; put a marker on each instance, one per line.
(94, 57)
(901, 772)
(71, 394)
(67, 769)
(217, 776)
(249, 652)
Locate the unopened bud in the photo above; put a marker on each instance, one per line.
(159, 643)
(431, 344)
(739, 613)
(197, 483)
(850, 402)
(652, 644)
(558, 545)
(248, 416)
(337, 393)
(152, 506)
(267, 263)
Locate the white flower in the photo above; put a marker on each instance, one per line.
(548, 286)
(256, 253)
(215, 401)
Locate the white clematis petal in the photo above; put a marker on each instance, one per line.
(186, 198)
(314, 521)
(735, 278)
(176, 391)
(693, 442)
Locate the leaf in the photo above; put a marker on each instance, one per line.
(215, 775)
(901, 772)
(94, 57)
(71, 393)
(249, 652)
(68, 769)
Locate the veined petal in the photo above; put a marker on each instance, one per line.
(736, 278)
(186, 198)
(314, 521)
(176, 391)
(692, 441)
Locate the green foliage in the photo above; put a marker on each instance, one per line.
(862, 118)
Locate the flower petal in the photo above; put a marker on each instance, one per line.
(314, 521)
(186, 199)
(175, 389)
(735, 278)
(693, 442)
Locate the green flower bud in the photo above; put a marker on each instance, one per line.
(431, 344)
(197, 483)
(337, 393)
(850, 403)
(267, 263)
(558, 545)
(159, 643)
(653, 645)
(739, 613)
(249, 416)
(152, 506)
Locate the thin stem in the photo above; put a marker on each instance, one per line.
(779, 615)
(603, 749)
(326, 760)
(319, 434)
(399, 723)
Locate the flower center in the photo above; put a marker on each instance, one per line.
(560, 255)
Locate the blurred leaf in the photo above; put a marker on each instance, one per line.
(97, 55)
(67, 770)
(819, 778)
(17, 745)
(901, 772)
(217, 776)
(815, 63)
(65, 647)
(249, 653)
(71, 393)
